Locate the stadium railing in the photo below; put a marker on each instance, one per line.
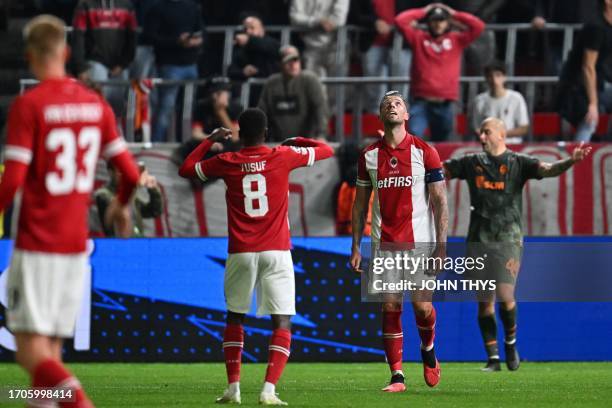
(350, 33)
(529, 86)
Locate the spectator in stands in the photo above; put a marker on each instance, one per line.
(103, 45)
(321, 18)
(294, 100)
(140, 208)
(377, 16)
(501, 103)
(63, 9)
(216, 110)
(436, 65)
(585, 85)
(482, 51)
(144, 63)
(560, 12)
(255, 54)
(176, 31)
(213, 111)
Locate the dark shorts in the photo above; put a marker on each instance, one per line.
(502, 261)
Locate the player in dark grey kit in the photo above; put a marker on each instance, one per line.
(496, 178)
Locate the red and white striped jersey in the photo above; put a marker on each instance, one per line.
(399, 178)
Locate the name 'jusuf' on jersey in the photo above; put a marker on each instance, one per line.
(253, 167)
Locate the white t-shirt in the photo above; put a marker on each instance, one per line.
(511, 108)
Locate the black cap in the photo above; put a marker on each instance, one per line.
(437, 13)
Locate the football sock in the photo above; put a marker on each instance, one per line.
(52, 374)
(393, 339)
(488, 329)
(268, 388)
(278, 354)
(233, 341)
(508, 318)
(427, 329)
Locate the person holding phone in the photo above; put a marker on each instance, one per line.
(175, 28)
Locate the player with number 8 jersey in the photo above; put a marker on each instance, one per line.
(257, 179)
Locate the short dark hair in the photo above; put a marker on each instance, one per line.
(389, 94)
(495, 66)
(250, 13)
(253, 124)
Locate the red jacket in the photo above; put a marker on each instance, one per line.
(436, 63)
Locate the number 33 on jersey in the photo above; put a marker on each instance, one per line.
(58, 130)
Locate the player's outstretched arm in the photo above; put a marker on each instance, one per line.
(360, 213)
(188, 168)
(448, 174)
(321, 149)
(560, 166)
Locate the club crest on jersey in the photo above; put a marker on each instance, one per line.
(393, 162)
(503, 169)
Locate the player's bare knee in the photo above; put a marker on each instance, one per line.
(281, 322)
(422, 309)
(392, 307)
(508, 305)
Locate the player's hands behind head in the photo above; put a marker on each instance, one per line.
(220, 134)
(119, 217)
(581, 152)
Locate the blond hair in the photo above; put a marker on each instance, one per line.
(44, 35)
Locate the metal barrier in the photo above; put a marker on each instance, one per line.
(472, 84)
(346, 32)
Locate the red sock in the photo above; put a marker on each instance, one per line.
(233, 341)
(427, 328)
(393, 339)
(278, 354)
(51, 374)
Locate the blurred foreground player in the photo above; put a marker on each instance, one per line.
(496, 178)
(257, 179)
(56, 132)
(406, 175)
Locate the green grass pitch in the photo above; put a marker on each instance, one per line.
(341, 385)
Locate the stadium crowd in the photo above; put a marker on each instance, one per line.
(168, 39)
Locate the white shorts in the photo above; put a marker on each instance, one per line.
(44, 292)
(270, 272)
(407, 277)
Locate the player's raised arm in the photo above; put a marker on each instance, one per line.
(557, 168)
(192, 164)
(305, 152)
